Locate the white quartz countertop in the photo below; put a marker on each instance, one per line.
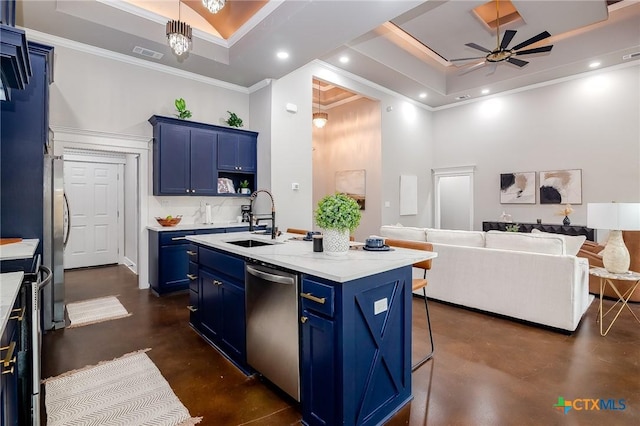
(298, 255)
(196, 226)
(9, 287)
(25, 249)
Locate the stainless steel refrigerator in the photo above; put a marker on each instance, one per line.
(55, 233)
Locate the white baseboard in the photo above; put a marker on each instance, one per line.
(131, 265)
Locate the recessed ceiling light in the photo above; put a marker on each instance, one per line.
(594, 64)
(344, 59)
(485, 91)
(422, 95)
(282, 54)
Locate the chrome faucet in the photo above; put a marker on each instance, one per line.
(273, 212)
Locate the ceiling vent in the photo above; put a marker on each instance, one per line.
(462, 97)
(631, 56)
(147, 52)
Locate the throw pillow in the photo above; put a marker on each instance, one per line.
(456, 237)
(402, 232)
(519, 241)
(572, 243)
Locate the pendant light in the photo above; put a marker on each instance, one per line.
(179, 34)
(214, 6)
(319, 118)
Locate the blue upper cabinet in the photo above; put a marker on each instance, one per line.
(189, 158)
(237, 152)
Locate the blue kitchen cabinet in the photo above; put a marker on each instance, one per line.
(237, 152)
(184, 159)
(190, 157)
(24, 131)
(318, 365)
(221, 306)
(353, 371)
(10, 405)
(171, 262)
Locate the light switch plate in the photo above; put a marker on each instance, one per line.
(380, 306)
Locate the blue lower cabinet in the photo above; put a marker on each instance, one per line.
(233, 333)
(318, 370)
(209, 307)
(356, 356)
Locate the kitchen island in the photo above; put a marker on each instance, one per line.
(351, 320)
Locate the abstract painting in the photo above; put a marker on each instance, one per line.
(561, 187)
(352, 183)
(518, 188)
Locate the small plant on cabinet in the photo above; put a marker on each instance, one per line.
(181, 106)
(244, 187)
(234, 120)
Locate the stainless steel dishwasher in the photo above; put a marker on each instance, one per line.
(272, 326)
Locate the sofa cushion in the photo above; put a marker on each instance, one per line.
(547, 244)
(456, 237)
(403, 232)
(572, 244)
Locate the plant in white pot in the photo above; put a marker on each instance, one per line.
(338, 215)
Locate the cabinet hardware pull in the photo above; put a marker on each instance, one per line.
(20, 316)
(178, 238)
(191, 308)
(9, 358)
(303, 319)
(191, 253)
(10, 371)
(193, 190)
(192, 277)
(187, 190)
(310, 296)
(216, 282)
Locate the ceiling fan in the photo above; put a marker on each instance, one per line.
(502, 53)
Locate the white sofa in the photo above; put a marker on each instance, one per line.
(532, 277)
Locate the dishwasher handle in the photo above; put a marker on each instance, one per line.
(281, 279)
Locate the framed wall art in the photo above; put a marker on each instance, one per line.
(518, 188)
(561, 187)
(352, 183)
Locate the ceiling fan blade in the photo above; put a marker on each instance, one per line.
(506, 39)
(477, 46)
(534, 39)
(466, 59)
(518, 62)
(471, 68)
(536, 50)
(492, 68)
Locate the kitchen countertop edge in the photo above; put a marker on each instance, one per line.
(299, 256)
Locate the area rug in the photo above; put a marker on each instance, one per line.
(93, 311)
(129, 390)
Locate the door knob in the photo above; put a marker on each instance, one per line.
(303, 319)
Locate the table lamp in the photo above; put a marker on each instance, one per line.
(616, 217)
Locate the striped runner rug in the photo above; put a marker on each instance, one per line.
(93, 311)
(126, 391)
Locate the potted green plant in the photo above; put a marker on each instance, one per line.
(181, 107)
(244, 187)
(338, 215)
(234, 120)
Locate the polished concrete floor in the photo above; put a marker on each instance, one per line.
(486, 370)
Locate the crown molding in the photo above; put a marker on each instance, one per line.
(97, 51)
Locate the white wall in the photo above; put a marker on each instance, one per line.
(591, 123)
(351, 140)
(405, 142)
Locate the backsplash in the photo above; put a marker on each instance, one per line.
(192, 209)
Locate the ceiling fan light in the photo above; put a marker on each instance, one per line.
(320, 119)
(179, 36)
(214, 6)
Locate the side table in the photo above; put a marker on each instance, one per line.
(605, 278)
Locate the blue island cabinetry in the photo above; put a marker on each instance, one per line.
(190, 157)
(354, 336)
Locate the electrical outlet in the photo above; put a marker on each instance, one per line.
(387, 204)
(295, 186)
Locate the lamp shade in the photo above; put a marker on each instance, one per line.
(616, 216)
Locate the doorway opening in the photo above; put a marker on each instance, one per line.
(453, 198)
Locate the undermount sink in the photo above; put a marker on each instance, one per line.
(251, 243)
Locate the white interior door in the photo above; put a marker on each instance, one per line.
(453, 201)
(92, 191)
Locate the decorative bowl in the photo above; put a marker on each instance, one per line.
(169, 222)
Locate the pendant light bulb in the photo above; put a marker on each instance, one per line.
(319, 118)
